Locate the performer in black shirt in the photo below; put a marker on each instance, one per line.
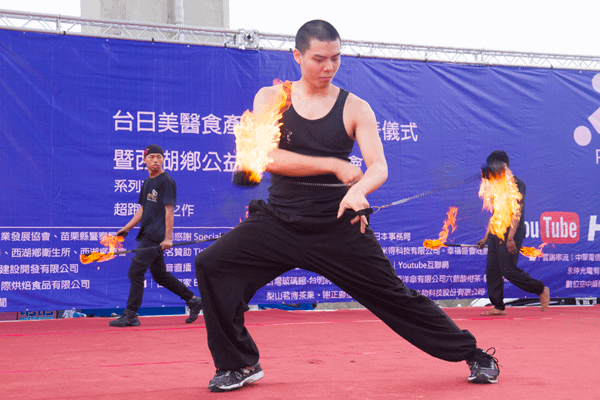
(156, 217)
(503, 254)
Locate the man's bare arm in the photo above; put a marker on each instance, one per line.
(361, 118)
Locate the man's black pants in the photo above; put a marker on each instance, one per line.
(501, 264)
(154, 259)
(269, 243)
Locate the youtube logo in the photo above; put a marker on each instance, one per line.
(559, 227)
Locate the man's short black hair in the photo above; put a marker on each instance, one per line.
(497, 156)
(315, 29)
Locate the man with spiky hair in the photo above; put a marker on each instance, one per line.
(503, 254)
(315, 219)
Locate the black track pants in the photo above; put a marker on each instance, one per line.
(154, 259)
(501, 264)
(269, 243)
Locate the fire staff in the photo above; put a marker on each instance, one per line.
(155, 216)
(317, 226)
(503, 251)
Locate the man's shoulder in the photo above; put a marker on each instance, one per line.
(167, 177)
(520, 184)
(269, 97)
(357, 108)
(356, 102)
(519, 180)
(146, 182)
(268, 92)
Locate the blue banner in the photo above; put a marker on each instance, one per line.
(76, 113)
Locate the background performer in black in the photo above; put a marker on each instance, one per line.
(156, 217)
(503, 255)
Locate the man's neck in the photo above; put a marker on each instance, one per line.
(154, 175)
(312, 91)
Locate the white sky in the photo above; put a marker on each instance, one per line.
(565, 27)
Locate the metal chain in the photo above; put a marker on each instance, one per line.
(322, 184)
(374, 209)
(432, 191)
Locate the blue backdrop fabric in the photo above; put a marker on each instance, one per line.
(76, 113)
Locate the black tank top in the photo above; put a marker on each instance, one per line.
(323, 137)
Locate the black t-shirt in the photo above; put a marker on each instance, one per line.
(156, 193)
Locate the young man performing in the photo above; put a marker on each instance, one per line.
(311, 222)
(156, 217)
(503, 255)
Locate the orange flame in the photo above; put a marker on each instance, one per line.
(258, 133)
(245, 215)
(501, 196)
(532, 252)
(450, 222)
(112, 242)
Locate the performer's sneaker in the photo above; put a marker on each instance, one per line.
(231, 379)
(129, 318)
(195, 305)
(484, 367)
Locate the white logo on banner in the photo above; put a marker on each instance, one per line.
(582, 134)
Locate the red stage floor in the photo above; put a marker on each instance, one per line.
(344, 354)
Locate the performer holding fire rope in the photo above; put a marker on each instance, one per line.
(504, 240)
(156, 217)
(318, 227)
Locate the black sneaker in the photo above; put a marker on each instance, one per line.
(129, 318)
(231, 379)
(484, 367)
(195, 305)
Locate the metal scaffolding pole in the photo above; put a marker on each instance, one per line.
(254, 40)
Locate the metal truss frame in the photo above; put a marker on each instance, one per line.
(254, 40)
